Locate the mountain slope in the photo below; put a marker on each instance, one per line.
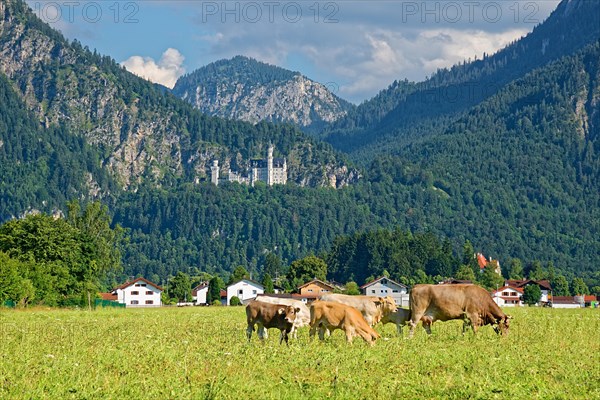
(426, 108)
(142, 132)
(43, 168)
(248, 90)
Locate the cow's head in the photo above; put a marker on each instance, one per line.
(386, 304)
(503, 325)
(289, 313)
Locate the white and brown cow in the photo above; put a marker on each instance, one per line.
(328, 316)
(471, 303)
(373, 308)
(302, 316)
(267, 315)
(401, 317)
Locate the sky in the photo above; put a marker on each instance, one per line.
(355, 48)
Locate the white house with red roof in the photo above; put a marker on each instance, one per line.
(508, 296)
(138, 293)
(544, 285)
(384, 286)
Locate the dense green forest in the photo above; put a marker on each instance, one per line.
(59, 261)
(516, 174)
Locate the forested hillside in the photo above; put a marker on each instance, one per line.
(517, 176)
(43, 168)
(406, 112)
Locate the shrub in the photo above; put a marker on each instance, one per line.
(235, 301)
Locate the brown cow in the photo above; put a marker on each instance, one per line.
(267, 315)
(373, 308)
(471, 303)
(328, 316)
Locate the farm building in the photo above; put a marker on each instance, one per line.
(384, 286)
(245, 290)
(137, 293)
(199, 293)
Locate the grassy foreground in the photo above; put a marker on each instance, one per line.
(202, 353)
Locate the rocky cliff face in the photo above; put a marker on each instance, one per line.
(144, 133)
(63, 84)
(248, 90)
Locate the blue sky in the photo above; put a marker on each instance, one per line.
(356, 47)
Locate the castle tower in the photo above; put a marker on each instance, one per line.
(214, 172)
(270, 166)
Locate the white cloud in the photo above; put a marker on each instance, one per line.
(389, 55)
(166, 72)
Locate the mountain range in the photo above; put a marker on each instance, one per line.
(245, 89)
(510, 163)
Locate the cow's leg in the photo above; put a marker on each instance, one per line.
(284, 336)
(313, 330)
(465, 324)
(473, 320)
(321, 332)
(426, 322)
(414, 320)
(399, 329)
(349, 334)
(262, 332)
(249, 331)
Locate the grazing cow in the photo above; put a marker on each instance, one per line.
(267, 315)
(471, 303)
(328, 316)
(373, 308)
(302, 316)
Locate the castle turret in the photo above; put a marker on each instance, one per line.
(270, 166)
(214, 172)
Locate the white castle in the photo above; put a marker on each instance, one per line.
(272, 171)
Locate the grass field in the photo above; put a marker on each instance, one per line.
(202, 353)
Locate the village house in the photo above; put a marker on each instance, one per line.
(137, 293)
(384, 286)
(508, 296)
(200, 293)
(245, 290)
(311, 291)
(543, 284)
(491, 263)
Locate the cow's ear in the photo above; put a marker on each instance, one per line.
(297, 309)
(281, 311)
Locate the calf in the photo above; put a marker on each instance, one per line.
(328, 316)
(267, 315)
(302, 316)
(401, 317)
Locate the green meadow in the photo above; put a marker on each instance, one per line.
(202, 353)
